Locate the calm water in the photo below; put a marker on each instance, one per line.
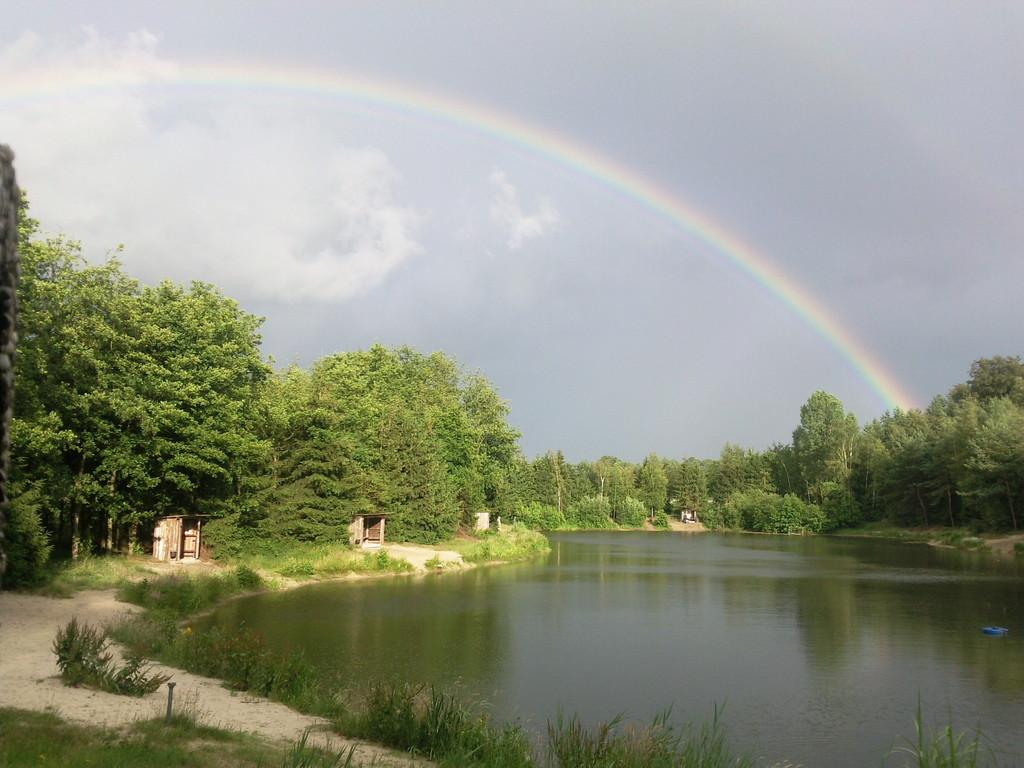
(818, 646)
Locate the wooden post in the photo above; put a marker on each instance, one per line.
(170, 701)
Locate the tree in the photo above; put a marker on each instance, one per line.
(652, 484)
(824, 442)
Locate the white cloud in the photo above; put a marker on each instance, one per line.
(259, 201)
(508, 214)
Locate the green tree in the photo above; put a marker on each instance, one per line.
(824, 442)
(652, 484)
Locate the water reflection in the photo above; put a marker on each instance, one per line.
(819, 645)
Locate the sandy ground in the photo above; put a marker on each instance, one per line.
(678, 525)
(28, 680)
(418, 556)
(1004, 545)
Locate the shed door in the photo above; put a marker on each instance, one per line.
(373, 529)
(191, 539)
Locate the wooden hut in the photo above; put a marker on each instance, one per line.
(367, 530)
(179, 538)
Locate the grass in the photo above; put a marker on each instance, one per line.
(658, 745)
(436, 725)
(513, 543)
(182, 594)
(30, 739)
(310, 561)
(944, 747)
(66, 577)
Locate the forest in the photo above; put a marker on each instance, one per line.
(138, 401)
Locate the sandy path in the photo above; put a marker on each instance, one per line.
(28, 680)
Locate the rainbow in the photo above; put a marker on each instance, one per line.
(506, 128)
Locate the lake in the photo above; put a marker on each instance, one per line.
(817, 646)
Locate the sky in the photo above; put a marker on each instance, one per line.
(868, 152)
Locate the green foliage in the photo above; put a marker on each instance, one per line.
(823, 443)
(661, 520)
(27, 543)
(631, 513)
(652, 485)
(944, 748)
(539, 516)
(84, 658)
(590, 512)
(437, 726)
(840, 508)
(181, 595)
(770, 513)
(514, 542)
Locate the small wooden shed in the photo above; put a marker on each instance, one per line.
(179, 538)
(367, 530)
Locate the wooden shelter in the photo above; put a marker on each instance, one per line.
(367, 530)
(179, 538)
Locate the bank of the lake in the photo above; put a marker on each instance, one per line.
(819, 646)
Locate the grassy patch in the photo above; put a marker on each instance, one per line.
(514, 542)
(182, 594)
(30, 739)
(436, 725)
(886, 530)
(93, 572)
(310, 561)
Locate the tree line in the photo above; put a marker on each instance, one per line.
(958, 463)
(134, 402)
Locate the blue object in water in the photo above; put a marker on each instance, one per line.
(994, 630)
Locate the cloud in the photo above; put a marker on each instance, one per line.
(508, 214)
(261, 201)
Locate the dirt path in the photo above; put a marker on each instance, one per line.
(28, 680)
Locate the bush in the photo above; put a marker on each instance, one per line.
(840, 508)
(630, 512)
(767, 513)
(661, 520)
(540, 517)
(84, 658)
(590, 512)
(28, 547)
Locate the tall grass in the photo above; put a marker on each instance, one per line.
(514, 542)
(84, 658)
(184, 594)
(436, 725)
(658, 745)
(944, 747)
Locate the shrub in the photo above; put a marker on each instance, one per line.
(769, 513)
(84, 658)
(590, 512)
(630, 512)
(28, 547)
(661, 520)
(247, 578)
(541, 517)
(840, 508)
(1018, 548)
